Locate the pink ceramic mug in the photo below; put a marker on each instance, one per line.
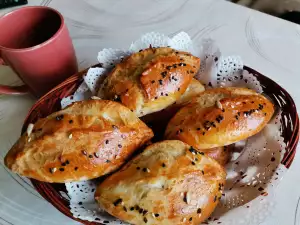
(35, 43)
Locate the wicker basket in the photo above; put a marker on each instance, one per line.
(51, 102)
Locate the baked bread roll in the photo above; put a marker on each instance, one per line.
(150, 80)
(83, 141)
(169, 183)
(219, 117)
(158, 121)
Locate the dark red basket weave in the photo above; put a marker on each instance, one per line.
(51, 102)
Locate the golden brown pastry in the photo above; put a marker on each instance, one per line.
(169, 183)
(220, 117)
(150, 80)
(83, 141)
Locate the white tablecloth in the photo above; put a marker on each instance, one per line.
(268, 44)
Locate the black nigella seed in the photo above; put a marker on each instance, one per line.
(107, 141)
(273, 159)
(161, 93)
(117, 202)
(131, 208)
(239, 113)
(265, 114)
(96, 154)
(164, 74)
(163, 165)
(192, 150)
(141, 211)
(145, 220)
(260, 106)
(144, 169)
(76, 168)
(169, 67)
(260, 189)
(196, 159)
(125, 209)
(70, 121)
(174, 65)
(138, 168)
(203, 133)
(107, 161)
(201, 153)
(193, 163)
(105, 221)
(191, 219)
(156, 215)
(178, 89)
(198, 128)
(166, 94)
(252, 102)
(236, 117)
(51, 170)
(60, 117)
(202, 172)
(40, 129)
(145, 212)
(215, 198)
(192, 72)
(160, 82)
(246, 81)
(213, 124)
(155, 97)
(83, 152)
(119, 146)
(137, 207)
(223, 110)
(61, 169)
(209, 84)
(79, 203)
(63, 164)
(114, 127)
(90, 156)
(152, 81)
(199, 211)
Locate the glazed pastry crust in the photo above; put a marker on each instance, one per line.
(219, 117)
(169, 183)
(150, 80)
(83, 141)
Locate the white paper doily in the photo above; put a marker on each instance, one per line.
(253, 173)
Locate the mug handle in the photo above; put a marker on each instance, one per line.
(16, 90)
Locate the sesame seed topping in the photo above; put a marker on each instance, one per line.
(60, 117)
(52, 170)
(70, 136)
(83, 152)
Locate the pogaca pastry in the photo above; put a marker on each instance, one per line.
(169, 183)
(219, 117)
(83, 141)
(150, 80)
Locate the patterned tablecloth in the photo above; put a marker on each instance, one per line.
(268, 44)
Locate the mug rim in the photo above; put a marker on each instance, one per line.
(56, 34)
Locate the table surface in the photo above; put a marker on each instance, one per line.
(268, 44)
